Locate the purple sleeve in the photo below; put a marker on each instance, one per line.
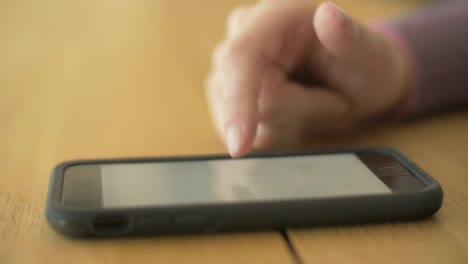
(436, 41)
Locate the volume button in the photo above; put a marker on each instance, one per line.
(191, 220)
(154, 221)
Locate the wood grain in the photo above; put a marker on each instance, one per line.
(440, 146)
(84, 79)
(93, 79)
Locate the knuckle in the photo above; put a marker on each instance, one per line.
(236, 16)
(231, 53)
(236, 19)
(237, 50)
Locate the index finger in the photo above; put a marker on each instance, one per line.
(243, 62)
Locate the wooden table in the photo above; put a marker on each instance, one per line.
(93, 79)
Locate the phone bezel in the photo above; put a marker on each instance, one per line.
(85, 179)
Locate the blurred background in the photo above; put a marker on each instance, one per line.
(117, 78)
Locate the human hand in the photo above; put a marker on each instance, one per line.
(289, 70)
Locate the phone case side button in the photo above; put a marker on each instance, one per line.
(191, 220)
(154, 221)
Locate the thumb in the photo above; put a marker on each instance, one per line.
(366, 65)
(342, 36)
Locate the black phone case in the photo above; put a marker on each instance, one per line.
(266, 215)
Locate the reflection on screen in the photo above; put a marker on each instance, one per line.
(242, 180)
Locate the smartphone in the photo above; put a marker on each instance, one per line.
(117, 197)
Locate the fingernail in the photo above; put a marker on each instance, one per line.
(332, 7)
(341, 14)
(233, 138)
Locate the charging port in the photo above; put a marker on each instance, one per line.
(110, 224)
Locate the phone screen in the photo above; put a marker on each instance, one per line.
(238, 180)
